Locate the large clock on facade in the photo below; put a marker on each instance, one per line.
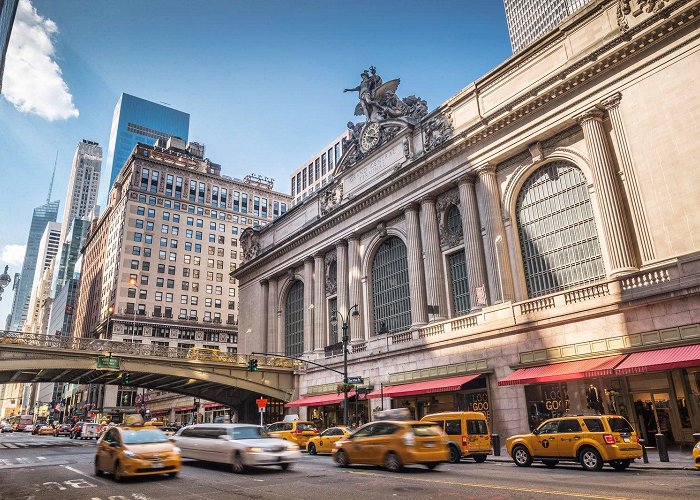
(369, 137)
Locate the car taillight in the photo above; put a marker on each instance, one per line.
(296, 431)
(465, 442)
(609, 439)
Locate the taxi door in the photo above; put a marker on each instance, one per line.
(382, 439)
(358, 446)
(479, 438)
(544, 443)
(106, 452)
(570, 433)
(327, 438)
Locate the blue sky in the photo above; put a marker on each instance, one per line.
(262, 80)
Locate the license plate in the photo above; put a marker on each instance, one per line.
(157, 465)
(429, 445)
(626, 440)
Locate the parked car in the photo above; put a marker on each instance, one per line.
(467, 431)
(5, 427)
(240, 445)
(324, 442)
(296, 431)
(62, 430)
(45, 430)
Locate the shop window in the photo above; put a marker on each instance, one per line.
(390, 291)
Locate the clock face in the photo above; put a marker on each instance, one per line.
(370, 136)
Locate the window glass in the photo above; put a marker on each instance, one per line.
(619, 424)
(390, 292)
(593, 424)
(425, 430)
(549, 427)
(569, 425)
(453, 427)
(294, 320)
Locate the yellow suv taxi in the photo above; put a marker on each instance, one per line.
(467, 431)
(324, 442)
(696, 454)
(589, 440)
(296, 431)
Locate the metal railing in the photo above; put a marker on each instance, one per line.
(110, 347)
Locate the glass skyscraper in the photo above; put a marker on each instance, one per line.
(8, 9)
(138, 120)
(20, 305)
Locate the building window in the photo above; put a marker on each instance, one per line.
(460, 285)
(454, 221)
(332, 325)
(558, 236)
(294, 320)
(390, 291)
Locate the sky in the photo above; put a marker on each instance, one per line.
(262, 80)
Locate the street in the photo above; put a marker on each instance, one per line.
(37, 467)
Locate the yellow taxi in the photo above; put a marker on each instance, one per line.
(696, 454)
(324, 442)
(296, 431)
(393, 444)
(467, 431)
(589, 440)
(136, 450)
(45, 430)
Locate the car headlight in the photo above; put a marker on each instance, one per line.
(293, 447)
(176, 450)
(129, 453)
(254, 449)
(697, 446)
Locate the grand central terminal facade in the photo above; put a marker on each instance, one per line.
(528, 248)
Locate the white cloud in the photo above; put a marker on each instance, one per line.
(12, 255)
(33, 81)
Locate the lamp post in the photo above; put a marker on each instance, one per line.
(354, 312)
(132, 282)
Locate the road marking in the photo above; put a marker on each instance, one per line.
(496, 487)
(10, 445)
(76, 471)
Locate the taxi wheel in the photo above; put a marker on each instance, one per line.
(311, 449)
(98, 471)
(392, 462)
(455, 455)
(341, 458)
(550, 464)
(284, 466)
(431, 465)
(479, 459)
(590, 459)
(620, 464)
(118, 472)
(522, 457)
(172, 474)
(237, 464)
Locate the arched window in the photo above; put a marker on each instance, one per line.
(390, 292)
(294, 320)
(454, 221)
(558, 236)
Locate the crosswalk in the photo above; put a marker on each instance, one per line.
(43, 444)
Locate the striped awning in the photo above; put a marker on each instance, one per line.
(660, 359)
(559, 372)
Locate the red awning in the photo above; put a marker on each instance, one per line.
(184, 408)
(324, 399)
(661, 359)
(559, 372)
(212, 405)
(427, 387)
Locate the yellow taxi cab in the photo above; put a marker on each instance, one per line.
(696, 454)
(136, 450)
(46, 430)
(393, 444)
(324, 442)
(589, 440)
(296, 431)
(467, 431)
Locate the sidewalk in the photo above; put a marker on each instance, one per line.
(677, 460)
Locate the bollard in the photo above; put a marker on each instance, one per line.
(661, 446)
(496, 443)
(645, 457)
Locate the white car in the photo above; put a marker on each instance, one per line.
(240, 445)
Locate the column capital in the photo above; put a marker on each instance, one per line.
(594, 113)
(342, 243)
(428, 199)
(320, 254)
(410, 207)
(613, 101)
(353, 237)
(485, 169)
(309, 259)
(466, 179)
(264, 282)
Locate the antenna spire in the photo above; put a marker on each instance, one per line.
(48, 198)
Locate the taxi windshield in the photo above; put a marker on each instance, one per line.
(249, 433)
(144, 436)
(619, 424)
(426, 430)
(306, 427)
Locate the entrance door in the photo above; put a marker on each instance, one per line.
(654, 415)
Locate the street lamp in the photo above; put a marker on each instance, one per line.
(132, 282)
(5, 280)
(354, 312)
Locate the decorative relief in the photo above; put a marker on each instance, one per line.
(635, 8)
(436, 131)
(381, 229)
(330, 199)
(330, 262)
(250, 243)
(448, 237)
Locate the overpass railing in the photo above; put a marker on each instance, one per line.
(110, 347)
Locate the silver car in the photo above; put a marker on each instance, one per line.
(240, 445)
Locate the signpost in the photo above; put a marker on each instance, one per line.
(262, 403)
(355, 380)
(108, 363)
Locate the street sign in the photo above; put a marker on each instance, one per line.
(262, 402)
(108, 363)
(355, 380)
(261, 409)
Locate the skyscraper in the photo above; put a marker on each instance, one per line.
(528, 20)
(83, 185)
(37, 313)
(138, 120)
(8, 9)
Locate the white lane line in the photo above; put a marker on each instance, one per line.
(41, 458)
(10, 445)
(76, 470)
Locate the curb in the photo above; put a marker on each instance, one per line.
(634, 465)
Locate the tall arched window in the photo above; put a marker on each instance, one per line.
(390, 292)
(558, 236)
(457, 263)
(294, 320)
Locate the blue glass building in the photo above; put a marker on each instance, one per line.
(8, 9)
(138, 120)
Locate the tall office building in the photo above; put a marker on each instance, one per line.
(83, 185)
(8, 9)
(43, 215)
(530, 19)
(41, 284)
(138, 120)
(317, 171)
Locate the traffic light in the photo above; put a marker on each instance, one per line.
(126, 378)
(253, 365)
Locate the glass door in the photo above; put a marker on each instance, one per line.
(653, 410)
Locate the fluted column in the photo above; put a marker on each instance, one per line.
(342, 278)
(357, 330)
(629, 180)
(416, 275)
(320, 316)
(279, 311)
(495, 244)
(609, 197)
(473, 242)
(264, 295)
(308, 300)
(272, 308)
(434, 274)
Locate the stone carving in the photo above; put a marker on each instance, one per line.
(330, 199)
(381, 229)
(635, 8)
(448, 238)
(330, 265)
(250, 243)
(407, 148)
(436, 131)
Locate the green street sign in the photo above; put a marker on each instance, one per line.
(108, 363)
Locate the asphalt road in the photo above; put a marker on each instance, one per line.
(45, 467)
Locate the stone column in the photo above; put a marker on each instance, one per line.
(496, 244)
(629, 180)
(264, 324)
(357, 331)
(308, 300)
(342, 279)
(609, 197)
(272, 308)
(434, 274)
(320, 316)
(473, 242)
(416, 275)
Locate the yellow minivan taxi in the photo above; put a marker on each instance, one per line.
(589, 440)
(296, 431)
(467, 431)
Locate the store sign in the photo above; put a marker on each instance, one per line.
(479, 401)
(108, 363)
